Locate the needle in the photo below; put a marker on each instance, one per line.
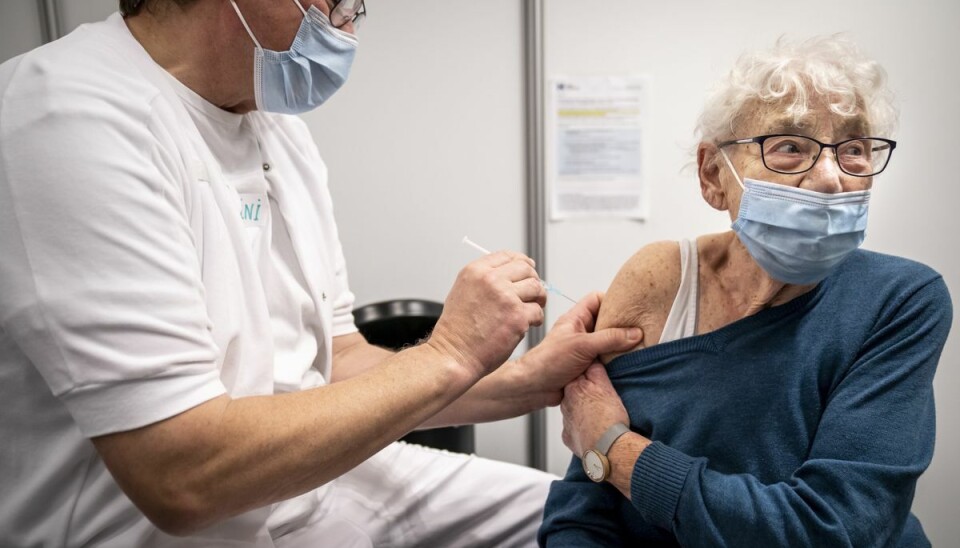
(543, 282)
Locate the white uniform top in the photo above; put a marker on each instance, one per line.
(134, 283)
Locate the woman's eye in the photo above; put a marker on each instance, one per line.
(787, 148)
(853, 149)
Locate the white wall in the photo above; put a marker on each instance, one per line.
(686, 46)
(21, 24)
(72, 13)
(20, 28)
(425, 144)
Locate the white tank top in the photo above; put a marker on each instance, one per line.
(682, 320)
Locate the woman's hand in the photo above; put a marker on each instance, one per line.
(590, 406)
(570, 347)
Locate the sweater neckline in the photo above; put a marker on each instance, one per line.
(716, 340)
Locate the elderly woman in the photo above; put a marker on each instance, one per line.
(784, 393)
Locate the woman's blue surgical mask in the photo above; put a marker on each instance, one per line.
(313, 69)
(798, 236)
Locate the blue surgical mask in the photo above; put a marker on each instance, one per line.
(799, 236)
(310, 72)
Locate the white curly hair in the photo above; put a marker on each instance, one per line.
(791, 76)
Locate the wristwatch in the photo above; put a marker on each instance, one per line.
(595, 461)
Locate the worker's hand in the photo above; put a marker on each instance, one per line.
(590, 406)
(492, 304)
(570, 347)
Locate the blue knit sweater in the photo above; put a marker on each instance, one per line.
(806, 424)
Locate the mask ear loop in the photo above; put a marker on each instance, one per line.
(732, 170)
(257, 60)
(245, 25)
(300, 7)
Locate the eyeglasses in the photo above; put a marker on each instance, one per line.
(791, 154)
(347, 10)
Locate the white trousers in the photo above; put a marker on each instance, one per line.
(412, 496)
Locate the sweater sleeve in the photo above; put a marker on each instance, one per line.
(580, 512)
(874, 439)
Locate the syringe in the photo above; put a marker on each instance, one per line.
(543, 282)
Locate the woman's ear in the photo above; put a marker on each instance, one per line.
(709, 169)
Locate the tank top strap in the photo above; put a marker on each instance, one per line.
(682, 320)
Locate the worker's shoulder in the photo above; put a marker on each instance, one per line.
(646, 283)
(90, 72)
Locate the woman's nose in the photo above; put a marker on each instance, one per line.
(825, 175)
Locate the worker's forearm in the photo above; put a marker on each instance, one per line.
(353, 356)
(507, 392)
(501, 395)
(229, 456)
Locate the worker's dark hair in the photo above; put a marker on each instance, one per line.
(133, 7)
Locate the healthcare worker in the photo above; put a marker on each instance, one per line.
(178, 360)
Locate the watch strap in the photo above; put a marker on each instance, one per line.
(610, 436)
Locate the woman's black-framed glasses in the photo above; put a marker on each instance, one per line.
(792, 154)
(347, 10)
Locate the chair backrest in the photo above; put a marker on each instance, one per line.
(398, 323)
(401, 323)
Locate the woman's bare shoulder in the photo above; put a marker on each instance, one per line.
(643, 291)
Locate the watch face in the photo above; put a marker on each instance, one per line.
(593, 465)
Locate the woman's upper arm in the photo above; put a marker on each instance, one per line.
(642, 292)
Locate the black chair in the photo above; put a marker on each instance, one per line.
(401, 323)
